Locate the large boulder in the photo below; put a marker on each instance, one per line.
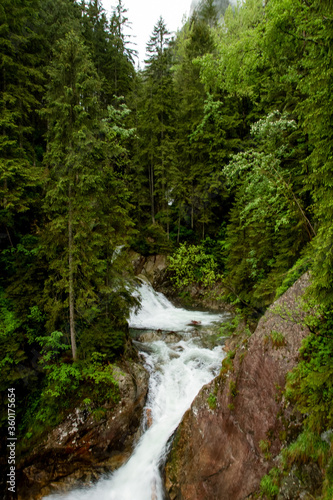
(87, 444)
(234, 429)
(151, 267)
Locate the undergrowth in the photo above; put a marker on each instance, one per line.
(310, 389)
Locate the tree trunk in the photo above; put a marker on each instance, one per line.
(151, 186)
(192, 208)
(178, 231)
(71, 276)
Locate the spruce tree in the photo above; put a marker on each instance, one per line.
(87, 200)
(20, 82)
(120, 55)
(71, 244)
(157, 123)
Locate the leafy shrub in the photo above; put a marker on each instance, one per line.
(101, 374)
(300, 267)
(217, 246)
(230, 326)
(227, 363)
(264, 448)
(104, 337)
(310, 384)
(191, 264)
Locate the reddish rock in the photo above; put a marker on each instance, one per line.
(221, 451)
(84, 446)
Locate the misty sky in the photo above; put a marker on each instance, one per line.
(144, 14)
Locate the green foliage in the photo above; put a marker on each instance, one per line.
(211, 400)
(266, 205)
(105, 337)
(11, 344)
(233, 389)
(310, 384)
(300, 267)
(20, 78)
(208, 159)
(101, 374)
(269, 484)
(265, 446)
(152, 240)
(277, 338)
(191, 264)
(227, 363)
(62, 378)
(69, 383)
(308, 447)
(52, 346)
(232, 326)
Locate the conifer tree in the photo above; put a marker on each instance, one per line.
(193, 41)
(72, 114)
(157, 123)
(86, 200)
(121, 56)
(20, 82)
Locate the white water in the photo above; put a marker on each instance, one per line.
(177, 373)
(157, 312)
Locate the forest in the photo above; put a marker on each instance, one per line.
(218, 153)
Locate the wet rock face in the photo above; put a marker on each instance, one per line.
(230, 436)
(151, 267)
(152, 336)
(85, 446)
(154, 269)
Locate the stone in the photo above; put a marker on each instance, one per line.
(217, 453)
(82, 448)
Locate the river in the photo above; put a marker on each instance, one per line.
(177, 370)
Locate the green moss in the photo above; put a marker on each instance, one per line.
(211, 400)
(233, 389)
(227, 363)
(265, 446)
(278, 339)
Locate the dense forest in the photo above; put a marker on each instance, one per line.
(219, 153)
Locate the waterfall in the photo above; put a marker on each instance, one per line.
(177, 373)
(157, 312)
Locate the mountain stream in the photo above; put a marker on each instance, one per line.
(178, 369)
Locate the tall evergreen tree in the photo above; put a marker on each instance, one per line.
(72, 113)
(194, 40)
(121, 56)
(20, 82)
(157, 123)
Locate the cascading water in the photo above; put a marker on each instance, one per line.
(157, 312)
(177, 373)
